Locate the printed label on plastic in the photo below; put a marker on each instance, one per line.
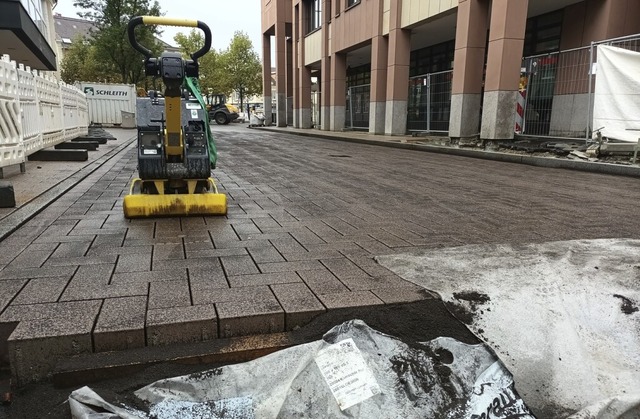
(346, 372)
(193, 105)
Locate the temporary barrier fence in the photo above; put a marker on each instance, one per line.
(632, 43)
(36, 112)
(429, 105)
(557, 89)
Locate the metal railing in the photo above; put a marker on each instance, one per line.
(357, 107)
(429, 106)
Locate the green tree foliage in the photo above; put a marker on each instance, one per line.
(109, 38)
(212, 79)
(80, 63)
(242, 67)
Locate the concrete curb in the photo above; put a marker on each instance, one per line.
(21, 215)
(584, 166)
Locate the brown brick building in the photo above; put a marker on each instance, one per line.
(370, 64)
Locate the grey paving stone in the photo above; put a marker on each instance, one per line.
(201, 262)
(42, 290)
(263, 279)
(198, 245)
(207, 294)
(120, 324)
(64, 310)
(98, 231)
(306, 265)
(181, 325)
(30, 259)
(245, 228)
(83, 260)
(216, 253)
(107, 240)
(360, 283)
(94, 272)
(241, 318)
(95, 289)
(166, 294)
(349, 299)
(8, 290)
(168, 251)
(314, 255)
(322, 282)
(45, 272)
(239, 265)
(173, 274)
(299, 303)
(343, 268)
(71, 250)
(133, 263)
(64, 239)
(397, 295)
(131, 250)
(233, 244)
(35, 346)
(370, 266)
(266, 254)
(140, 232)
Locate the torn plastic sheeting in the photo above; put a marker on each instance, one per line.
(440, 378)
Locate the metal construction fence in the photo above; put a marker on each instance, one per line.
(556, 90)
(357, 109)
(429, 104)
(36, 112)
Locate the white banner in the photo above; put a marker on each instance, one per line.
(617, 94)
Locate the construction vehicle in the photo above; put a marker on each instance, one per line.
(221, 111)
(176, 152)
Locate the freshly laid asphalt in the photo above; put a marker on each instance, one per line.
(306, 216)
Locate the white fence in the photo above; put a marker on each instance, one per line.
(36, 112)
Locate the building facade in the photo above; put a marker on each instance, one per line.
(451, 66)
(27, 32)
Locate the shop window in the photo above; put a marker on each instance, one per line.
(543, 33)
(432, 59)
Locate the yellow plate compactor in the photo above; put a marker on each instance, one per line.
(176, 152)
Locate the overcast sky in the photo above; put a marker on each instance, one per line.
(224, 18)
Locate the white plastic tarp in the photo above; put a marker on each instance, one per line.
(616, 104)
(563, 316)
(354, 372)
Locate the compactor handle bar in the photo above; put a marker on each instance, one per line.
(167, 21)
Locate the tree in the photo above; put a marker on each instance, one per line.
(80, 64)
(212, 78)
(243, 67)
(109, 37)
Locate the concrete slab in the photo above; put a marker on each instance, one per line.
(120, 324)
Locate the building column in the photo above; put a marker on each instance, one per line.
(379, 52)
(296, 32)
(290, 70)
(504, 58)
(338, 91)
(266, 78)
(397, 94)
(281, 75)
(305, 97)
(325, 66)
(468, 66)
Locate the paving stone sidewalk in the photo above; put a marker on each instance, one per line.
(306, 216)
